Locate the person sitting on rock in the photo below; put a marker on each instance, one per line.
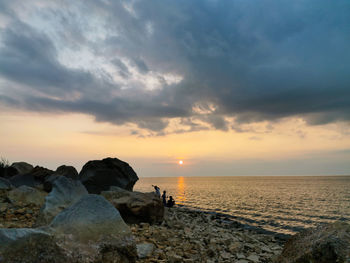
(157, 189)
(164, 198)
(171, 202)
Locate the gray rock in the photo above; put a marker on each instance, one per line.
(253, 258)
(99, 175)
(327, 243)
(22, 167)
(7, 236)
(24, 179)
(5, 184)
(91, 218)
(136, 207)
(145, 250)
(27, 195)
(65, 192)
(30, 246)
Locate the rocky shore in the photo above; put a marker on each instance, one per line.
(95, 217)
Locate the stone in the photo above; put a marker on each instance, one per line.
(145, 250)
(24, 179)
(27, 195)
(67, 171)
(5, 184)
(40, 173)
(99, 175)
(326, 243)
(30, 246)
(22, 167)
(253, 258)
(136, 207)
(90, 218)
(65, 192)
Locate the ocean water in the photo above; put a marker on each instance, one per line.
(282, 204)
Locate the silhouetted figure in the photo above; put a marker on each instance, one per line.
(157, 189)
(171, 202)
(164, 198)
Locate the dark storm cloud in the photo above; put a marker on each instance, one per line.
(253, 60)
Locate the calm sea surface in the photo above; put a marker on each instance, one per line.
(276, 203)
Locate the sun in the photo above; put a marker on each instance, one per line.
(181, 162)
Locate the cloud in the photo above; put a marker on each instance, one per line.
(146, 62)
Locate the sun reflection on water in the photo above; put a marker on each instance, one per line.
(181, 189)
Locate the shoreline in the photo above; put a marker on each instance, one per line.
(188, 235)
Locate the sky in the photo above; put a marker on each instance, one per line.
(239, 87)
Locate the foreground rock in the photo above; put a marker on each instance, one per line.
(136, 207)
(328, 243)
(98, 176)
(65, 192)
(29, 245)
(25, 195)
(91, 230)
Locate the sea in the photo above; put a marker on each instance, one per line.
(278, 204)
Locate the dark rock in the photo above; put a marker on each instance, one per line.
(65, 192)
(5, 184)
(67, 171)
(63, 170)
(35, 177)
(24, 179)
(325, 244)
(136, 207)
(7, 172)
(22, 167)
(99, 175)
(40, 173)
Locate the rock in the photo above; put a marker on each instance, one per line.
(30, 246)
(99, 175)
(5, 184)
(63, 170)
(24, 179)
(67, 171)
(22, 167)
(253, 258)
(34, 178)
(97, 226)
(144, 250)
(65, 192)
(40, 173)
(327, 243)
(91, 218)
(27, 195)
(136, 207)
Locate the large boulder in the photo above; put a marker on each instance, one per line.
(63, 170)
(97, 226)
(26, 195)
(5, 184)
(99, 175)
(89, 231)
(22, 167)
(65, 192)
(136, 207)
(325, 244)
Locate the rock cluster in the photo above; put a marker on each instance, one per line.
(195, 236)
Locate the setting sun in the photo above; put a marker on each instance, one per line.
(181, 162)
